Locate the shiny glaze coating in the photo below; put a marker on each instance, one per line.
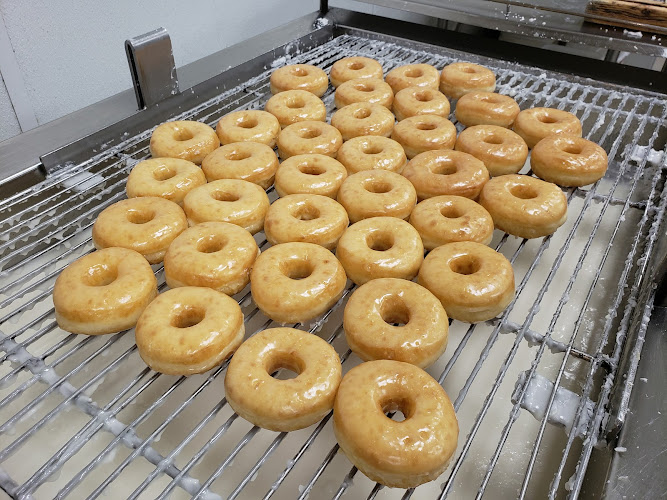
(420, 337)
(299, 77)
(501, 150)
(216, 255)
(228, 200)
(474, 282)
(380, 247)
(309, 138)
(377, 193)
(294, 106)
(310, 174)
(362, 118)
(424, 133)
(568, 160)
(248, 161)
(103, 292)
(283, 405)
(486, 108)
(248, 126)
(310, 218)
(189, 330)
(295, 282)
(535, 124)
(397, 454)
(457, 79)
(146, 225)
(351, 68)
(187, 140)
(524, 206)
(168, 178)
(412, 75)
(413, 101)
(445, 219)
(371, 90)
(435, 173)
(372, 153)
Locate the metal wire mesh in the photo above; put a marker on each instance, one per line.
(82, 416)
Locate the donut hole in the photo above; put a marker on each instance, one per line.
(394, 311)
(426, 126)
(490, 99)
(493, 139)
(247, 122)
(311, 170)
(523, 192)
(451, 212)
(362, 113)
(573, 149)
(423, 97)
(371, 149)
(397, 408)
(297, 71)
(443, 166)
(469, 69)
(211, 243)
(378, 187)
(547, 119)
(364, 87)
(283, 365)
(306, 212)
(100, 275)
(309, 133)
(237, 155)
(356, 65)
(140, 216)
(380, 241)
(465, 264)
(414, 73)
(224, 196)
(297, 269)
(295, 102)
(182, 134)
(163, 173)
(188, 316)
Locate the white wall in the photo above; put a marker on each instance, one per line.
(70, 53)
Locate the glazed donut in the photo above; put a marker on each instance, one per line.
(187, 140)
(189, 330)
(375, 193)
(168, 178)
(474, 282)
(309, 138)
(372, 153)
(103, 292)
(397, 454)
(568, 160)
(283, 405)
(310, 174)
(413, 101)
(486, 108)
(216, 255)
(146, 225)
(501, 150)
(352, 68)
(413, 75)
(389, 318)
(371, 90)
(295, 282)
(248, 126)
(524, 206)
(362, 118)
(299, 77)
(445, 219)
(248, 161)
(424, 133)
(309, 218)
(294, 106)
(380, 247)
(460, 78)
(228, 200)
(535, 124)
(435, 173)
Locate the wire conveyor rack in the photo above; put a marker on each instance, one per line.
(84, 417)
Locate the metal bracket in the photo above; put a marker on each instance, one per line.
(152, 67)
